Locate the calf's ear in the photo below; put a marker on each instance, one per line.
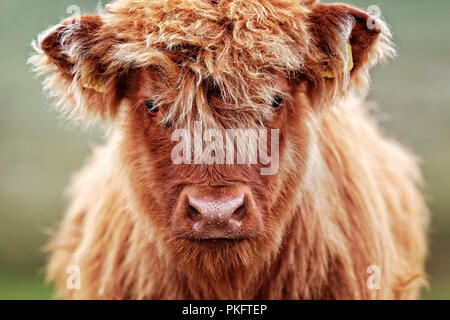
(346, 42)
(73, 56)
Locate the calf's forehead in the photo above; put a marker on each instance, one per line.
(212, 37)
(242, 51)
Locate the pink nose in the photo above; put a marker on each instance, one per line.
(216, 217)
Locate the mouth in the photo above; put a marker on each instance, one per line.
(217, 242)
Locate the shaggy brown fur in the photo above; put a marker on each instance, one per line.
(345, 197)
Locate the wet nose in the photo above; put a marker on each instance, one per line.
(216, 217)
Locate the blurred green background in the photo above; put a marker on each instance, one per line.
(38, 152)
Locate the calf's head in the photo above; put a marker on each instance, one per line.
(214, 107)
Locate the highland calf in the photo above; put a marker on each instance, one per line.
(342, 199)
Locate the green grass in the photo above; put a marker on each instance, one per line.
(24, 286)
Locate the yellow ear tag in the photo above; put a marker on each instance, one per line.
(328, 74)
(350, 57)
(91, 83)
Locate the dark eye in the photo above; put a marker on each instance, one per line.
(277, 101)
(151, 106)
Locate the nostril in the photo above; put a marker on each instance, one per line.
(193, 213)
(240, 213)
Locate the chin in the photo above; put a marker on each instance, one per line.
(216, 256)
